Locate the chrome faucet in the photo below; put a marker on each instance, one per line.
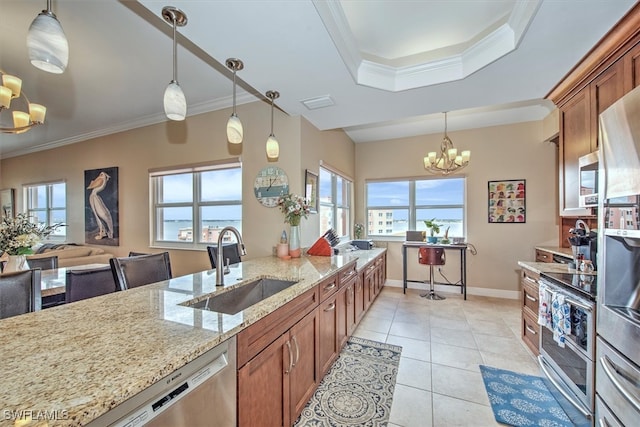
(220, 260)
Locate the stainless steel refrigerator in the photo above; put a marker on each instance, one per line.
(618, 310)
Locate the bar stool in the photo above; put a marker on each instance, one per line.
(431, 256)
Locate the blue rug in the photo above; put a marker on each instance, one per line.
(522, 400)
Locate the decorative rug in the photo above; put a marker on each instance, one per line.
(358, 389)
(522, 400)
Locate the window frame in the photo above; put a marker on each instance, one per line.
(60, 235)
(335, 205)
(412, 208)
(196, 204)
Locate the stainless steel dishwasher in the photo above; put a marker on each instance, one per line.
(201, 393)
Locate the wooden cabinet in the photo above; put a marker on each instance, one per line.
(329, 326)
(579, 132)
(543, 256)
(283, 356)
(530, 328)
(347, 318)
(278, 365)
(604, 75)
(631, 69)
(274, 386)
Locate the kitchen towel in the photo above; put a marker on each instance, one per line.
(544, 306)
(561, 318)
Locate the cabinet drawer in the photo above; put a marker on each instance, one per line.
(530, 331)
(529, 276)
(543, 256)
(530, 295)
(348, 274)
(258, 336)
(328, 287)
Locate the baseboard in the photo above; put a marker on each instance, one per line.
(484, 292)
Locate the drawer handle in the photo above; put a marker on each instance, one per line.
(331, 307)
(530, 298)
(611, 371)
(530, 329)
(295, 341)
(529, 279)
(329, 287)
(290, 358)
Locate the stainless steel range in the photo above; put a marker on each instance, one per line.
(568, 366)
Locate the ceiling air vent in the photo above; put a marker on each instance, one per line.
(318, 102)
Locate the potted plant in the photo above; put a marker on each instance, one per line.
(445, 239)
(435, 229)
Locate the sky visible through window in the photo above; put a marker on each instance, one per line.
(218, 185)
(432, 192)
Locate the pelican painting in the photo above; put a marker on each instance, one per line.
(101, 206)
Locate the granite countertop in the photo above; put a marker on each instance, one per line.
(85, 358)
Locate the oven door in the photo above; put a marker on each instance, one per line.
(570, 370)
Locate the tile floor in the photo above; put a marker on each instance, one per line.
(443, 342)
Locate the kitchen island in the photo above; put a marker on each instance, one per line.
(67, 365)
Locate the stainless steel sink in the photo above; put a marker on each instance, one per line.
(236, 300)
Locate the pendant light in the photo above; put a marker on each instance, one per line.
(447, 160)
(273, 149)
(48, 46)
(235, 132)
(175, 103)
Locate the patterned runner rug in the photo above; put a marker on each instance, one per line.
(522, 400)
(358, 389)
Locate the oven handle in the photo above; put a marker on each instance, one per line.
(578, 304)
(609, 369)
(559, 387)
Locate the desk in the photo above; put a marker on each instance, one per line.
(52, 283)
(462, 248)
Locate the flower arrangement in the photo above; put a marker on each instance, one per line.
(294, 207)
(358, 230)
(19, 234)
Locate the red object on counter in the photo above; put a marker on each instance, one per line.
(321, 247)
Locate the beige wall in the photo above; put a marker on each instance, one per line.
(497, 153)
(502, 152)
(333, 148)
(198, 139)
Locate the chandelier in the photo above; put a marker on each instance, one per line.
(447, 160)
(11, 91)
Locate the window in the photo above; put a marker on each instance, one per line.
(406, 204)
(48, 203)
(335, 202)
(191, 205)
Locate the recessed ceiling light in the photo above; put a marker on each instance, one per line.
(318, 102)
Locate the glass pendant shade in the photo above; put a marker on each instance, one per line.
(273, 148)
(47, 44)
(175, 103)
(235, 132)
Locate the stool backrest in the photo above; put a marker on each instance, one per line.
(431, 256)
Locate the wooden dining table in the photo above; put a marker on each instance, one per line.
(53, 283)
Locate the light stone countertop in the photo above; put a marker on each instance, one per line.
(566, 252)
(85, 358)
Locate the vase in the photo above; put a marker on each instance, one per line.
(16, 263)
(294, 242)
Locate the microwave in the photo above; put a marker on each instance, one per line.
(588, 167)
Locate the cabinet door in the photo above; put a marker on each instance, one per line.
(305, 375)
(631, 64)
(328, 350)
(575, 141)
(350, 311)
(359, 298)
(606, 89)
(262, 389)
